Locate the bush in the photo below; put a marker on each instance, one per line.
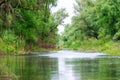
(10, 43)
(117, 36)
(111, 48)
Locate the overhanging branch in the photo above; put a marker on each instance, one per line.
(1, 2)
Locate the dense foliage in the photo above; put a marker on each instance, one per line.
(28, 24)
(96, 23)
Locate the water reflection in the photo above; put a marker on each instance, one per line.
(34, 67)
(65, 70)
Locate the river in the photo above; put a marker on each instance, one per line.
(60, 65)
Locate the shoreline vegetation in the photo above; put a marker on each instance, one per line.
(94, 27)
(29, 25)
(94, 45)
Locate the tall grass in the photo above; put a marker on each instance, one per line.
(93, 45)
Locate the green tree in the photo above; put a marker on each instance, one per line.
(94, 20)
(27, 20)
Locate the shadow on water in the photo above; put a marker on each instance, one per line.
(61, 65)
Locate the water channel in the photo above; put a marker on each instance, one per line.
(62, 65)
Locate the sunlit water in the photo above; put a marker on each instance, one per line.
(62, 65)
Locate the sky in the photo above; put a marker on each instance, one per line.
(68, 5)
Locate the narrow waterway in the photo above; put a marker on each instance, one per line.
(61, 65)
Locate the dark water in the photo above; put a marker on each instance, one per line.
(62, 65)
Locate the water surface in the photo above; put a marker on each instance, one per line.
(62, 65)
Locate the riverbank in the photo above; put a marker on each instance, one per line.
(7, 48)
(94, 45)
(28, 51)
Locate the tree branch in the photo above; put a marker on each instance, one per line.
(1, 2)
